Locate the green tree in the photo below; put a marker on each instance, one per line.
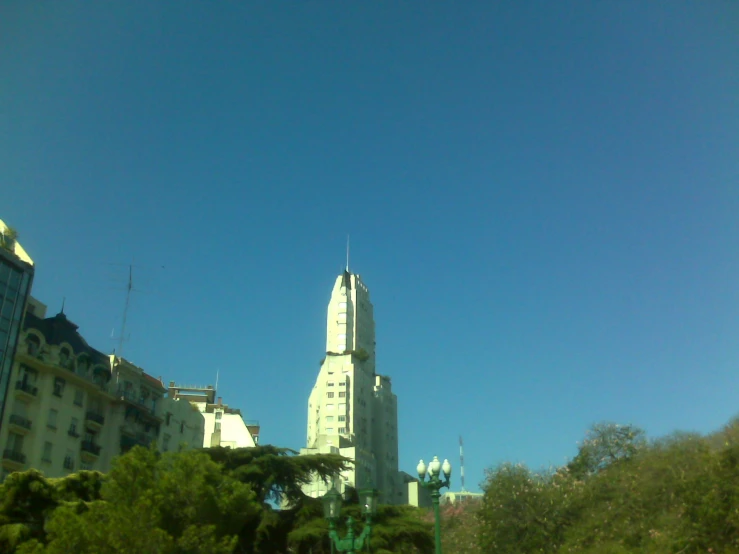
(173, 503)
(524, 511)
(606, 444)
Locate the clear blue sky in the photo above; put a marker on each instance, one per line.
(542, 198)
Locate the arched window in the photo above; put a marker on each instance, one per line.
(64, 356)
(83, 365)
(33, 345)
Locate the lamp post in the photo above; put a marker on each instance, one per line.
(435, 483)
(332, 511)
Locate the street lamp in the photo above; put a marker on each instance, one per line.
(435, 483)
(332, 510)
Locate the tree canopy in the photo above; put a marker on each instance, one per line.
(619, 495)
(214, 501)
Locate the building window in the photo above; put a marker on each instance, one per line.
(219, 415)
(329, 394)
(83, 365)
(51, 422)
(342, 394)
(79, 397)
(33, 345)
(59, 387)
(342, 418)
(342, 406)
(330, 384)
(69, 460)
(73, 427)
(329, 418)
(165, 442)
(15, 442)
(342, 384)
(64, 357)
(46, 456)
(30, 375)
(329, 406)
(342, 430)
(329, 429)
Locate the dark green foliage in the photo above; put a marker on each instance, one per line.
(362, 355)
(198, 502)
(275, 473)
(620, 495)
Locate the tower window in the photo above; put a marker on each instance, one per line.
(329, 394)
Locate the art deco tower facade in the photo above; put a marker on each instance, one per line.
(352, 410)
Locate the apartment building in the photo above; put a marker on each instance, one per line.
(72, 407)
(224, 426)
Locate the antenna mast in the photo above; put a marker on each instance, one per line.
(129, 288)
(347, 252)
(461, 463)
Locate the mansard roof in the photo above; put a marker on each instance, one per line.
(58, 329)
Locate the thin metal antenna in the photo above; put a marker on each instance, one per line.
(64, 301)
(461, 462)
(129, 288)
(347, 252)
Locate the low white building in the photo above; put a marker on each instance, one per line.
(224, 426)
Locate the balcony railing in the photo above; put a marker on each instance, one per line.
(26, 387)
(91, 447)
(20, 421)
(96, 417)
(130, 396)
(15, 455)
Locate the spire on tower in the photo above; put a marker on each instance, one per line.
(347, 252)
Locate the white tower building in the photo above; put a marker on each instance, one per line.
(352, 410)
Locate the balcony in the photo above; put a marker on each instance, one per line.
(19, 424)
(73, 433)
(94, 419)
(90, 450)
(25, 390)
(69, 463)
(13, 460)
(144, 407)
